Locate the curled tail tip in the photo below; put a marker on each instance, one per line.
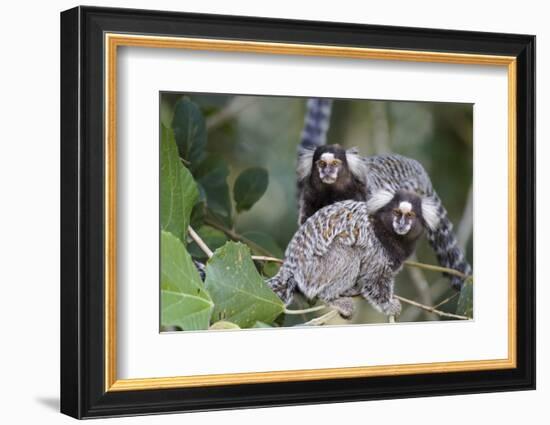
(457, 283)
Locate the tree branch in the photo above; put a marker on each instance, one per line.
(194, 235)
(306, 310)
(321, 320)
(446, 300)
(437, 269)
(264, 258)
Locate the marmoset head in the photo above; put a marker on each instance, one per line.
(406, 214)
(328, 164)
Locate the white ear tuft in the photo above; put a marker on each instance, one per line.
(305, 163)
(356, 164)
(430, 214)
(379, 199)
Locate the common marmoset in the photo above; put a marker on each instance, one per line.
(355, 248)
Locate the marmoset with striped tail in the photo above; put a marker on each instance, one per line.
(330, 173)
(355, 248)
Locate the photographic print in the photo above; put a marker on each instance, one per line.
(278, 212)
(342, 215)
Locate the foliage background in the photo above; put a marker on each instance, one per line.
(243, 132)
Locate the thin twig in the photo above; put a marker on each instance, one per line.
(200, 242)
(306, 310)
(264, 258)
(321, 320)
(431, 309)
(437, 269)
(446, 300)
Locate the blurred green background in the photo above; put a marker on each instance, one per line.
(264, 131)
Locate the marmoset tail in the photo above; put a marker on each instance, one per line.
(355, 248)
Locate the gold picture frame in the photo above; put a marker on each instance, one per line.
(114, 41)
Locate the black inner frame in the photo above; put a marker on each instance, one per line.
(82, 209)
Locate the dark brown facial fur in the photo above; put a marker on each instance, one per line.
(317, 194)
(399, 247)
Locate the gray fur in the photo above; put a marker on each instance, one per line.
(337, 253)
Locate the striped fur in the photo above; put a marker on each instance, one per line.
(336, 254)
(316, 123)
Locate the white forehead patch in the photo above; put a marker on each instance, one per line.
(405, 207)
(328, 157)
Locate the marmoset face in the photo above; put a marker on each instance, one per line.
(403, 218)
(328, 167)
(402, 215)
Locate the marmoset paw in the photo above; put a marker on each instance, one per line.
(344, 306)
(393, 307)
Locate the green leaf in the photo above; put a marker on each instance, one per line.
(212, 174)
(184, 301)
(190, 131)
(213, 238)
(465, 305)
(166, 112)
(250, 187)
(178, 190)
(239, 292)
(223, 325)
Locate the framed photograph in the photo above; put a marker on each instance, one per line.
(261, 212)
